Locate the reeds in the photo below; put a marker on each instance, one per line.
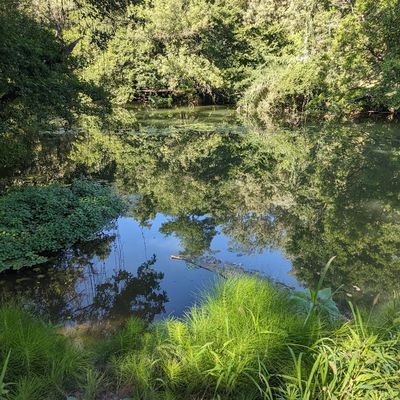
(359, 361)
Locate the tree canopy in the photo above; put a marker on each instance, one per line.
(281, 60)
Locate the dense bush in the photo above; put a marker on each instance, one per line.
(360, 360)
(38, 86)
(345, 61)
(286, 92)
(38, 220)
(185, 50)
(286, 58)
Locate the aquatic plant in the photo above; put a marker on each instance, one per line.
(38, 220)
(318, 301)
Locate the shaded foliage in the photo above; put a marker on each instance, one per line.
(37, 84)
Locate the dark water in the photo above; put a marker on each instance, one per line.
(200, 182)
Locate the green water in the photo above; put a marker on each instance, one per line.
(202, 182)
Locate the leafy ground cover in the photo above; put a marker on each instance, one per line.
(38, 220)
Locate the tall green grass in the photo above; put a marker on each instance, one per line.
(42, 364)
(218, 347)
(359, 361)
(245, 340)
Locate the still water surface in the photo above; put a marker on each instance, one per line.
(200, 182)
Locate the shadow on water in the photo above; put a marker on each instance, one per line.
(76, 286)
(282, 202)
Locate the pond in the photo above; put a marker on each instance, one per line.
(201, 182)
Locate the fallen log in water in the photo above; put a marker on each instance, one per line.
(224, 269)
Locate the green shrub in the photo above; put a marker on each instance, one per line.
(42, 364)
(218, 346)
(38, 220)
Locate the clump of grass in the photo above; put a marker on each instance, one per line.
(218, 346)
(93, 382)
(42, 363)
(3, 384)
(360, 360)
(244, 341)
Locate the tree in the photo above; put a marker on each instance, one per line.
(37, 85)
(344, 61)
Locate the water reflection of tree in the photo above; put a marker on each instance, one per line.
(76, 286)
(124, 294)
(194, 233)
(51, 288)
(35, 158)
(357, 215)
(44, 157)
(313, 192)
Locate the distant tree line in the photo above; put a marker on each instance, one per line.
(277, 59)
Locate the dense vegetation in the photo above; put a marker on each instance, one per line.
(39, 363)
(38, 86)
(36, 221)
(342, 60)
(312, 192)
(286, 57)
(281, 60)
(247, 340)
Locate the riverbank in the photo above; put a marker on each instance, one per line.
(246, 339)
